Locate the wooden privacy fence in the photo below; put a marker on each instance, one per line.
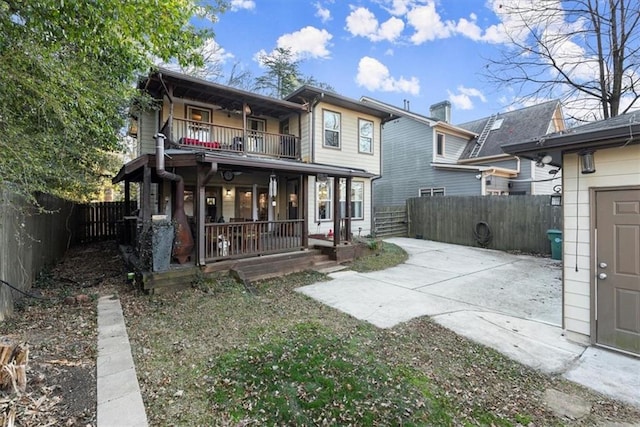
(30, 239)
(508, 223)
(94, 222)
(390, 221)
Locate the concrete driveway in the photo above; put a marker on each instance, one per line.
(509, 302)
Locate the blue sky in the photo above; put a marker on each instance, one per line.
(423, 51)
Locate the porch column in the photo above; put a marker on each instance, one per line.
(348, 213)
(146, 198)
(127, 197)
(204, 173)
(199, 203)
(336, 211)
(303, 209)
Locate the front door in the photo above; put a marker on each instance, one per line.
(617, 276)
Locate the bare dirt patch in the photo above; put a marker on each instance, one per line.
(60, 328)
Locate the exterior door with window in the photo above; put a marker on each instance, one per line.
(617, 264)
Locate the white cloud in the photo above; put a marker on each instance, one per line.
(309, 42)
(242, 4)
(375, 76)
(323, 13)
(427, 24)
(400, 7)
(363, 23)
(462, 100)
(389, 52)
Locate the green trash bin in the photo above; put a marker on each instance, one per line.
(555, 236)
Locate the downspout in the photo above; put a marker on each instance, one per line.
(183, 242)
(312, 135)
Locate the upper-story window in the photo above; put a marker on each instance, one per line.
(198, 114)
(331, 122)
(365, 130)
(256, 124)
(197, 131)
(439, 144)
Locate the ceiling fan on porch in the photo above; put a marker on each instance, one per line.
(228, 175)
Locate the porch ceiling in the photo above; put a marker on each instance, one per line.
(133, 171)
(226, 97)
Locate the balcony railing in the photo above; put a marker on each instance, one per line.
(241, 239)
(208, 136)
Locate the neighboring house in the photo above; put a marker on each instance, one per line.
(273, 170)
(427, 156)
(601, 227)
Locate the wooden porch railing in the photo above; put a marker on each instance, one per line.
(241, 239)
(214, 137)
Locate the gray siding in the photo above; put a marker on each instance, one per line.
(453, 148)
(456, 183)
(407, 150)
(520, 184)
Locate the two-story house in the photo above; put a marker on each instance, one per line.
(427, 156)
(240, 174)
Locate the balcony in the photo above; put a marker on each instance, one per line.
(207, 136)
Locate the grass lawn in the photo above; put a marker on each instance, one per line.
(217, 355)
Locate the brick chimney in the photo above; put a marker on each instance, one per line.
(441, 111)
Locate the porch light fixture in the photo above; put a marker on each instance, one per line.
(228, 194)
(587, 161)
(556, 198)
(543, 159)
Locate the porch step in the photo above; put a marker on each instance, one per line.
(269, 267)
(328, 268)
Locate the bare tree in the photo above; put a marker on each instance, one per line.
(584, 52)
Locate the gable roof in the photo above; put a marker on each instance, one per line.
(614, 132)
(517, 125)
(401, 112)
(309, 94)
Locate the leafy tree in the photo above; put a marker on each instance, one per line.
(585, 52)
(67, 74)
(283, 74)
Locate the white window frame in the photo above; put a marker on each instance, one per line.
(440, 153)
(354, 201)
(363, 138)
(336, 129)
(431, 191)
(327, 200)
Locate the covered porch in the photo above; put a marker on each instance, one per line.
(227, 206)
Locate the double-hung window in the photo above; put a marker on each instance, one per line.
(331, 121)
(365, 134)
(430, 192)
(324, 198)
(357, 199)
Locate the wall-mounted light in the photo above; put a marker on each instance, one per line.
(543, 159)
(556, 198)
(479, 176)
(228, 193)
(587, 161)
